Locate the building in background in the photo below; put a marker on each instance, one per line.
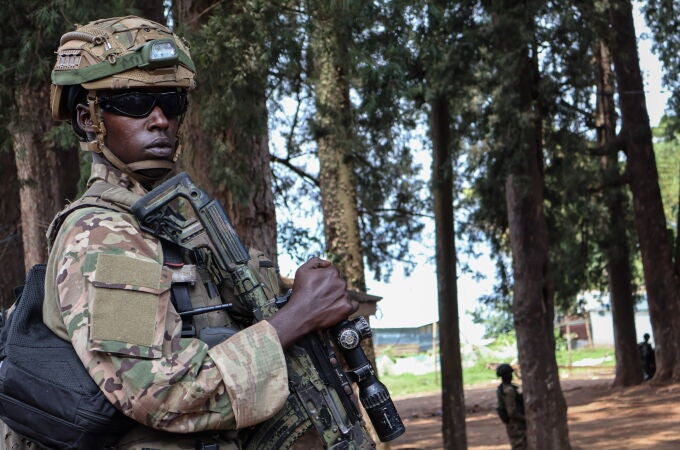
(594, 326)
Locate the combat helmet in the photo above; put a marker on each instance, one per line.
(118, 53)
(503, 370)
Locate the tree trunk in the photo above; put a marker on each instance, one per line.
(533, 311)
(247, 196)
(334, 137)
(336, 177)
(655, 244)
(615, 245)
(533, 302)
(47, 175)
(453, 397)
(677, 238)
(11, 248)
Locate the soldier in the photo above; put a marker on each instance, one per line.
(647, 358)
(123, 84)
(511, 408)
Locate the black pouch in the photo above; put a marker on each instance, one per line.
(46, 394)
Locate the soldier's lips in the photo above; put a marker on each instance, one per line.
(159, 150)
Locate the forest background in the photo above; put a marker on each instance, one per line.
(479, 281)
(534, 114)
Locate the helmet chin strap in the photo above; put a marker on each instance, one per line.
(132, 169)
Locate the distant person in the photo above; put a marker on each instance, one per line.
(647, 358)
(511, 408)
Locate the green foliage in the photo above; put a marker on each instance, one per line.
(483, 371)
(561, 42)
(667, 152)
(408, 383)
(601, 356)
(234, 48)
(30, 36)
(32, 30)
(663, 20)
(390, 190)
(495, 310)
(504, 340)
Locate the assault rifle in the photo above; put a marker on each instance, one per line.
(321, 394)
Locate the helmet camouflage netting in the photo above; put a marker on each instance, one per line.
(119, 53)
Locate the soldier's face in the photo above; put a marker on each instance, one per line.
(134, 139)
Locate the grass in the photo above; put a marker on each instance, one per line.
(606, 353)
(405, 384)
(411, 384)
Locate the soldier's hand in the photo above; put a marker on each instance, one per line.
(319, 300)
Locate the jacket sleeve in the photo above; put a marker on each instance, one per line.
(114, 298)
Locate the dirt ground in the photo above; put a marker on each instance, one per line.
(601, 417)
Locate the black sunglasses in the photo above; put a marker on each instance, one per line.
(140, 104)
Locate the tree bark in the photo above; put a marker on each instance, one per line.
(533, 311)
(533, 301)
(336, 176)
(661, 284)
(334, 136)
(677, 238)
(11, 247)
(248, 197)
(453, 396)
(47, 175)
(615, 244)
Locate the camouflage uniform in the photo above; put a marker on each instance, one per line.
(107, 291)
(509, 398)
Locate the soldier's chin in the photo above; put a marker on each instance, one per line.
(155, 174)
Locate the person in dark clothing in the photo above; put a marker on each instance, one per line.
(511, 408)
(647, 358)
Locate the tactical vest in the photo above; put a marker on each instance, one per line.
(502, 407)
(192, 287)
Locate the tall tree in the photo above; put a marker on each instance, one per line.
(225, 135)
(662, 19)
(519, 129)
(333, 127)
(447, 88)
(453, 397)
(48, 175)
(615, 243)
(663, 293)
(389, 191)
(10, 233)
(330, 39)
(667, 153)
(47, 168)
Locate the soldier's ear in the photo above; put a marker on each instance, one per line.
(84, 119)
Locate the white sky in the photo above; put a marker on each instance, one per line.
(412, 301)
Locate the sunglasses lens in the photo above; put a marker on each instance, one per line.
(173, 104)
(140, 104)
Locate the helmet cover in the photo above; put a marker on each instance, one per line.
(119, 53)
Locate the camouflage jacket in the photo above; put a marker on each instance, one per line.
(511, 400)
(107, 291)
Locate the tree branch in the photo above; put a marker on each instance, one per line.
(399, 211)
(286, 162)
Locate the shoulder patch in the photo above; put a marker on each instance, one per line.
(124, 270)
